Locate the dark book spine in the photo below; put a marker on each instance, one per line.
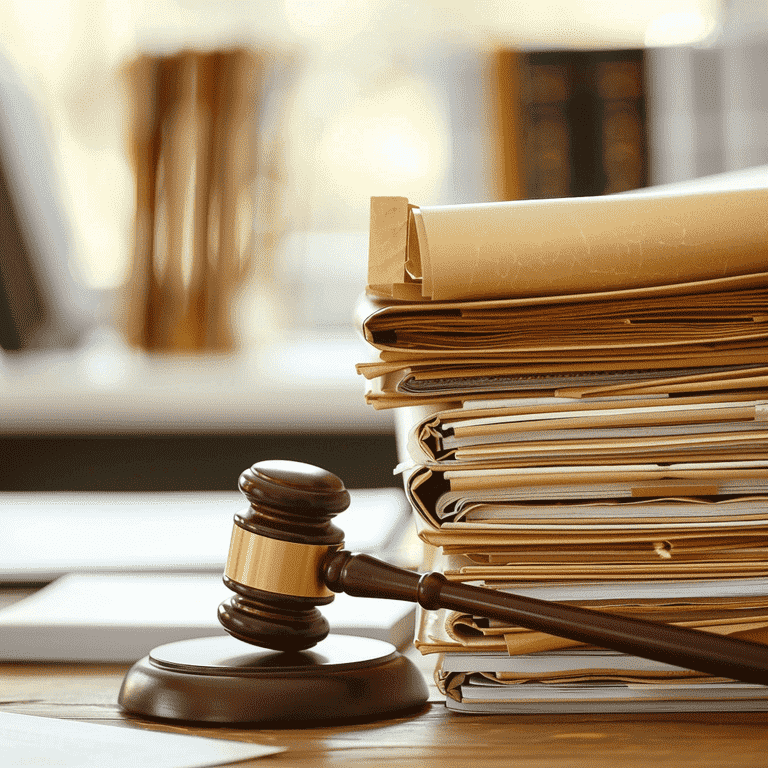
(618, 82)
(547, 82)
(572, 123)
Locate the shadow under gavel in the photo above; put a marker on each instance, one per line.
(286, 559)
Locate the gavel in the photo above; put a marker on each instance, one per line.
(286, 558)
(279, 663)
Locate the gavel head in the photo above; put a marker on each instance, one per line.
(276, 552)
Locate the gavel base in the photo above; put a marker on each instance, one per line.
(223, 680)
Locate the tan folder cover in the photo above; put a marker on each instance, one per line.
(442, 631)
(429, 490)
(566, 246)
(446, 436)
(729, 310)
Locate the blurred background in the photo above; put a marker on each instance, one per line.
(185, 190)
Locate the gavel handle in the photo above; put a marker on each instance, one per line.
(365, 576)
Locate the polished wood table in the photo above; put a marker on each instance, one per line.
(430, 737)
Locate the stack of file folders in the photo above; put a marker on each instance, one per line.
(583, 395)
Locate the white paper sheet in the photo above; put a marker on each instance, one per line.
(45, 742)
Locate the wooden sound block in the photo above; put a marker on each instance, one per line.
(224, 680)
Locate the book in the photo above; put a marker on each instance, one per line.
(571, 122)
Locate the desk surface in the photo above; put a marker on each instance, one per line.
(433, 737)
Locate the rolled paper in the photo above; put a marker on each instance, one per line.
(565, 246)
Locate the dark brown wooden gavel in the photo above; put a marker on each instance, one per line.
(285, 559)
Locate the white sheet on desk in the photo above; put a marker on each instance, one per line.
(122, 616)
(45, 742)
(48, 534)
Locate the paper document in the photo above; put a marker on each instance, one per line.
(475, 693)
(46, 742)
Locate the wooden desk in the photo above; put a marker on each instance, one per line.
(434, 737)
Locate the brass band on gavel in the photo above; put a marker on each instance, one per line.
(273, 565)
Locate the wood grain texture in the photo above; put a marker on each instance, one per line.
(434, 737)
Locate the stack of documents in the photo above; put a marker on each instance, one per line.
(584, 386)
